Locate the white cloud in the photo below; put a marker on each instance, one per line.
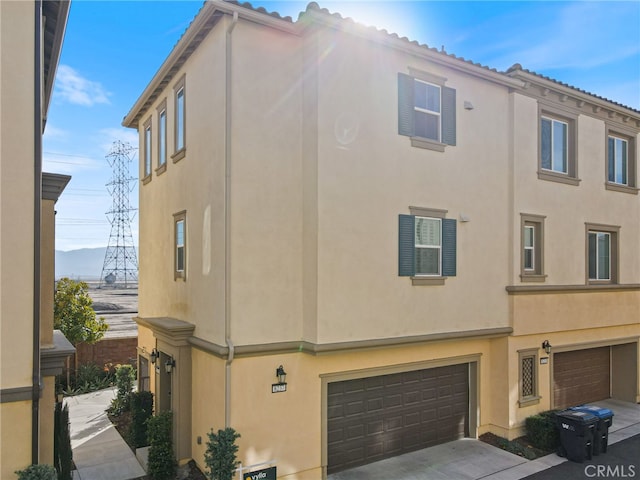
(54, 133)
(76, 89)
(124, 135)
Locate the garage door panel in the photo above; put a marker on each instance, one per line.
(400, 413)
(581, 376)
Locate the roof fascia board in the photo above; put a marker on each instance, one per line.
(411, 47)
(56, 48)
(532, 79)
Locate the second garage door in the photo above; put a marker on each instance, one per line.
(369, 419)
(581, 376)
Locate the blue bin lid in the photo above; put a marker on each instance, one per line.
(599, 412)
(578, 416)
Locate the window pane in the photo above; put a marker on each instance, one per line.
(528, 258)
(528, 236)
(592, 256)
(162, 133)
(528, 377)
(180, 233)
(620, 161)
(180, 120)
(427, 126)
(180, 259)
(427, 96)
(560, 147)
(427, 231)
(611, 147)
(545, 143)
(147, 151)
(603, 256)
(427, 261)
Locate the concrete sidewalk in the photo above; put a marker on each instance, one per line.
(99, 451)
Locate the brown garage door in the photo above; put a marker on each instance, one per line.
(369, 419)
(581, 376)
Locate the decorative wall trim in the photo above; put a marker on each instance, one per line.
(541, 289)
(338, 347)
(18, 394)
(52, 359)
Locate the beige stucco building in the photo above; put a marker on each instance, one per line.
(31, 353)
(400, 229)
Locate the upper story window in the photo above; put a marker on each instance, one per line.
(180, 120)
(621, 160)
(426, 110)
(602, 253)
(554, 145)
(180, 243)
(557, 146)
(162, 137)
(147, 152)
(532, 263)
(427, 246)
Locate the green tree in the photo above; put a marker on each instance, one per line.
(73, 314)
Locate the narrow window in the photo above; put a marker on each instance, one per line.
(532, 262)
(618, 160)
(528, 377)
(180, 119)
(180, 233)
(602, 253)
(599, 256)
(147, 151)
(180, 123)
(162, 138)
(529, 247)
(554, 145)
(428, 246)
(427, 110)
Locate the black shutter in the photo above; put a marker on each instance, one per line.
(405, 104)
(448, 247)
(448, 116)
(406, 245)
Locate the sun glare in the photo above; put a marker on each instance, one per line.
(384, 15)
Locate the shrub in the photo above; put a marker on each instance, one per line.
(38, 472)
(125, 377)
(220, 457)
(161, 462)
(542, 431)
(141, 411)
(62, 453)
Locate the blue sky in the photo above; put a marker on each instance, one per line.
(113, 48)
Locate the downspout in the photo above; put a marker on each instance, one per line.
(37, 195)
(227, 225)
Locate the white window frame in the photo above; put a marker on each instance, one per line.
(162, 137)
(598, 278)
(553, 142)
(180, 218)
(613, 160)
(437, 114)
(147, 139)
(433, 247)
(531, 248)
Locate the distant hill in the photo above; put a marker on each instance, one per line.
(83, 264)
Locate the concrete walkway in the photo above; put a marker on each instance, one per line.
(99, 451)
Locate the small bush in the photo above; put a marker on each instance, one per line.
(38, 472)
(141, 411)
(125, 378)
(220, 457)
(161, 462)
(62, 453)
(542, 431)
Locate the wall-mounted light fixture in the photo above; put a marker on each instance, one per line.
(153, 356)
(281, 374)
(169, 365)
(547, 346)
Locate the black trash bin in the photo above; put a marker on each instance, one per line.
(605, 420)
(576, 434)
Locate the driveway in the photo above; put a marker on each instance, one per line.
(471, 459)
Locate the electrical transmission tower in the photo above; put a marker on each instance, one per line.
(120, 266)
